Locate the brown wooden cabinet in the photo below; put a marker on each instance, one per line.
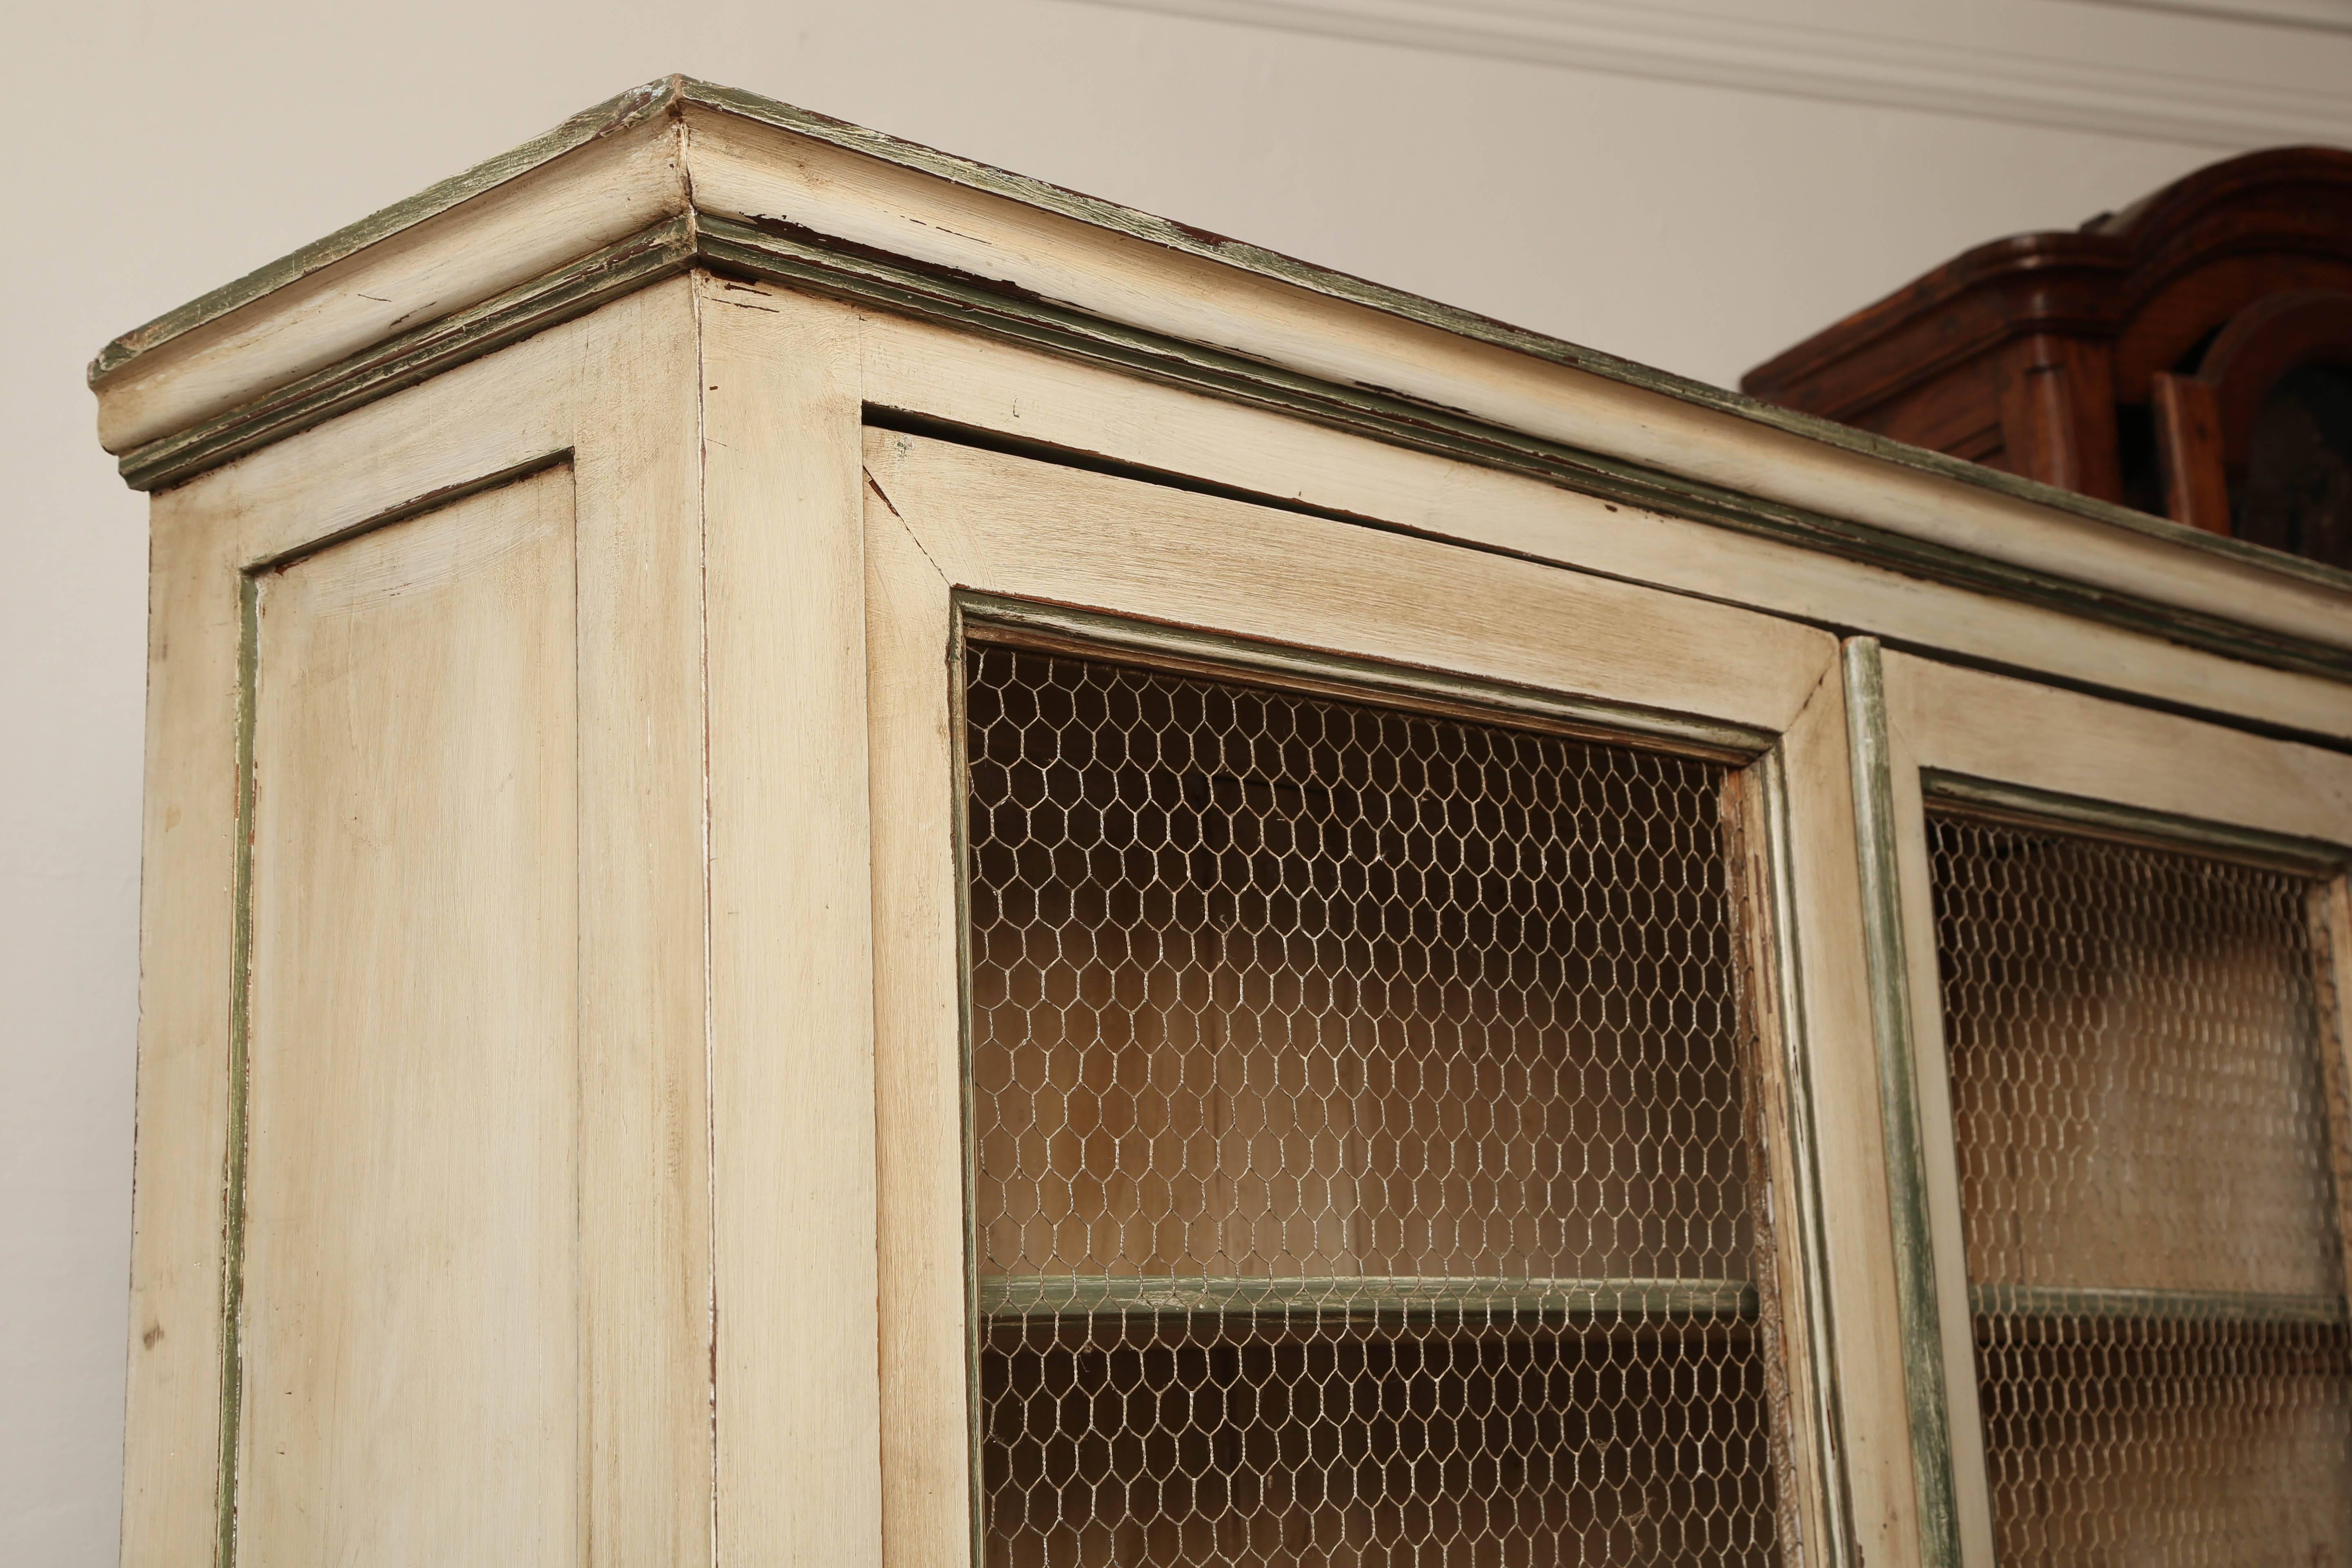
(2190, 355)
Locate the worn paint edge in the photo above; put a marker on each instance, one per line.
(796, 261)
(1825, 1394)
(615, 114)
(2022, 806)
(1345, 677)
(1887, 965)
(240, 1027)
(674, 93)
(958, 678)
(657, 252)
(744, 250)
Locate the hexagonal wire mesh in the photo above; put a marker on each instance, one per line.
(2150, 1140)
(1361, 1164)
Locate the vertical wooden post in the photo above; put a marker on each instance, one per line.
(2189, 446)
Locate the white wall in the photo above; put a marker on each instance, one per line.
(158, 150)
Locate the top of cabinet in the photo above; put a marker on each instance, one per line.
(681, 173)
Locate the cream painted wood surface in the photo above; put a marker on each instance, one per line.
(189, 977)
(2017, 734)
(752, 172)
(943, 519)
(1179, 558)
(926, 1485)
(792, 979)
(611, 188)
(726, 162)
(1850, 1291)
(616, 393)
(411, 1227)
(766, 1341)
(951, 376)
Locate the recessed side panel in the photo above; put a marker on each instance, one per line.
(408, 1346)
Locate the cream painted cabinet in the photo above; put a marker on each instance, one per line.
(853, 861)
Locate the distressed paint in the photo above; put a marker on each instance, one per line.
(1898, 1093)
(672, 95)
(2043, 809)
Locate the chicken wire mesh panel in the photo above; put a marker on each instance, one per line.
(1360, 1165)
(2149, 1142)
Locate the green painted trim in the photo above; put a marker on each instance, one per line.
(614, 114)
(2154, 1305)
(673, 93)
(990, 617)
(1898, 1099)
(240, 1024)
(661, 252)
(2047, 810)
(1825, 1395)
(1004, 1296)
(804, 261)
(957, 679)
(801, 262)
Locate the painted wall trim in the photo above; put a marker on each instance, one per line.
(1829, 64)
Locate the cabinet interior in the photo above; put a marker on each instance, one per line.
(1360, 1167)
(2150, 1150)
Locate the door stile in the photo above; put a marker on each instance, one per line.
(1879, 840)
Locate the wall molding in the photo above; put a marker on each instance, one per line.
(2327, 16)
(1627, 38)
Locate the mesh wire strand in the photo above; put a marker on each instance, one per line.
(1361, 1169)
(2150, 1145)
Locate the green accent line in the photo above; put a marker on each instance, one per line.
(673, 93)
(2154, 1305)
(1066, 1295)
(1898, 1099)
(614, 114)
(2047, 811)
(1826, 1395)
(661, 252)
(811, 262)
(240, 1015)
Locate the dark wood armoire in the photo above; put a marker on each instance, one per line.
(2190, 355)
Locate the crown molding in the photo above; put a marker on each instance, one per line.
(742, 185)
(2321, 15)
(1832, 65)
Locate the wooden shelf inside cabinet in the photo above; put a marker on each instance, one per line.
(2101, 1303)
(1572, 1300)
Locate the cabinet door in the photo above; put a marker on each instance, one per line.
(1344, 1092)
(2114, 938)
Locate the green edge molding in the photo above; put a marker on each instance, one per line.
(2074, 1304)
(614, 114)
(1898, 1101)
(1633, 1302)
(692, 239)
(1825, 1395)
(240, 1017)
(671, 95)
(2046, 811)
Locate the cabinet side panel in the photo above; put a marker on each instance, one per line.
(170, 1477)
(410, 1345)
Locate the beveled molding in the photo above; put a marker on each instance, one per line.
(680, 175)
